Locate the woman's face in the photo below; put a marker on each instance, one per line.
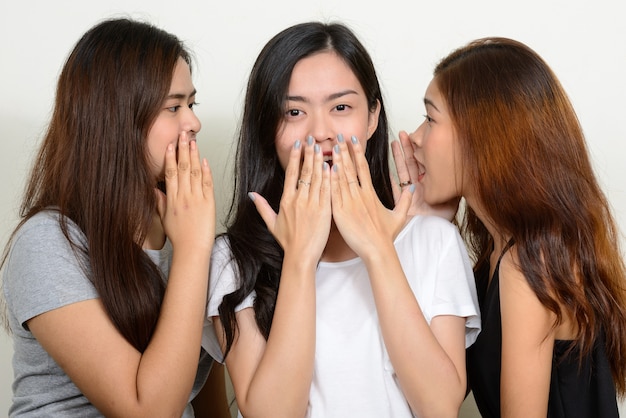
(437, 151)
(324, 99)
(176, 116)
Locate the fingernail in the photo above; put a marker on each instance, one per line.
(296, 145)
(354, 140)
(340, 138)
(251, 196)
(309, 140)
(412, 188)
(325, 166)
(336, 148)
(317, 149)
(335, 168)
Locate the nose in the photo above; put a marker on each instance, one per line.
(190, 122)
(321, 128)
(417, 136)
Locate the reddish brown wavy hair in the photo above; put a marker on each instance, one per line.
(525, 153)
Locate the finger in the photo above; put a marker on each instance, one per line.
(338, 176)
(409, 158)
(335, 188)
(265, 210)
(207, 180)
(171, 171)
(317, 168)
(399, 161)
(293, 168)
(404, 203)
(306, 171)
(325, 188)
(395, 188)
(195, 167)
(362, 167)
(347, 170)
(183, 160)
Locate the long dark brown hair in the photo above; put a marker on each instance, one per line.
(525, 153)
(257, 255)
(93, 165)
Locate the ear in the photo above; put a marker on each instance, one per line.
(372, 120)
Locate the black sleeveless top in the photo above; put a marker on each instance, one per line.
(587, 391)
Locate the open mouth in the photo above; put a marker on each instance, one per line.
(328, 158)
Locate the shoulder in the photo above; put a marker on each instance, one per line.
(431, 235)
(42, 271)
(518, 301)
(509, 271)
(222, 277)
(221, 255)
(42, 234)
(430, 227)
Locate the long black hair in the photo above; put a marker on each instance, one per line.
(257, 255)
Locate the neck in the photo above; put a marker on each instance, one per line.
(500, 238)
(336, 249)
(155, 238)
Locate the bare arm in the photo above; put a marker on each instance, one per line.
(272, 378)
(113, 375)
(429, 361)
(527, 345)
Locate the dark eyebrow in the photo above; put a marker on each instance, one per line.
(428, 102)
(328, 99)
(181, 95)
(340, 94)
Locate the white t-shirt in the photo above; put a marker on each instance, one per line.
(353, 375)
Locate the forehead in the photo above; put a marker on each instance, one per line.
(433, 97)
(323, 71)
(181, 80)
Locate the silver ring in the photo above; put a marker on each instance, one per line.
(300, 181)
(406, 183)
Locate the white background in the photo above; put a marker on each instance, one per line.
(584, 42)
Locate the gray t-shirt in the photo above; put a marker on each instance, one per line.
(42, 273)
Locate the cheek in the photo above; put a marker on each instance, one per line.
(159, 137)
(283, 149)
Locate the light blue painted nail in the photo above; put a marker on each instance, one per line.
(335, 168)
(309, 140)
(316, 148)
(251, 196)
(412, 188)
(336, 148)
(354, 140)
(340, 138)
(296, 145)
(325, 166)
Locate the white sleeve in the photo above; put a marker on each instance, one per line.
(455, 288)
(222, 281)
